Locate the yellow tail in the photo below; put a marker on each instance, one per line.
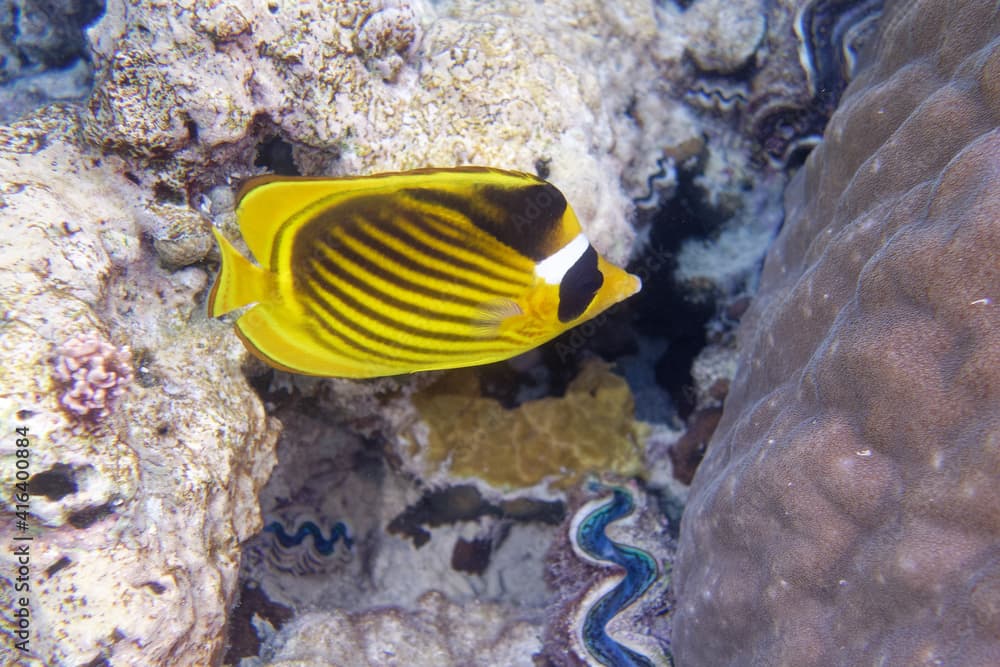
(239, 281)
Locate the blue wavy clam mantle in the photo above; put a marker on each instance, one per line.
(591, 541)
(294, 553)
(322, 544)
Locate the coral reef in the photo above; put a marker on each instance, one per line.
(324, 478)
(405, 541)
(414, 561)
(845, 512)
(141, 519)
(780, 66)
(136, 520)
(556, 440)
(385, 85)
(728, 34)
(435, 632)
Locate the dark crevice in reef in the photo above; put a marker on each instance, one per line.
(88, 516)
(60, 564)
(166, 194)
(261, 383)
(99, 661)
(243, 639)
(55, 483)
(465, 503)
(666, 309)
(666, 312)
(47, 33)
(275, 155)
(548, 370)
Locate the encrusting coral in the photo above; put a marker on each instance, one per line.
(387, 85)
(557, 439)
(436, 632)
(847, 508)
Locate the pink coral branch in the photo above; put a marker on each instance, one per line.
(93, 373)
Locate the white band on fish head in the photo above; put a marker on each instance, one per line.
(554, 267)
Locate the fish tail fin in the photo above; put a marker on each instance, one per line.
(239, 281)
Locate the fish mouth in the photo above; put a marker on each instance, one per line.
(618, 286)
(638, 285)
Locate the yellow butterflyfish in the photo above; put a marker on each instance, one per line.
(411, 271)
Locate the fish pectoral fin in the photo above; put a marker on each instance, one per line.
(492, 315)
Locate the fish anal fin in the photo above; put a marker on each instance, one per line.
(268, 335)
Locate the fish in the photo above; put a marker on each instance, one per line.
(401, 272)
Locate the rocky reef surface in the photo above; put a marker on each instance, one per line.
(149, 444)
(44, 55)
(145, 454)
(189, 506)
(847, 510)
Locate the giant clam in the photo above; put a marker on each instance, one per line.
(785, 93)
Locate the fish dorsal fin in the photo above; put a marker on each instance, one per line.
(521, 211)
(518, 209)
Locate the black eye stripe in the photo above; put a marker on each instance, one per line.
(578, 287)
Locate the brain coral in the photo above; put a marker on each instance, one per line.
(848, 509)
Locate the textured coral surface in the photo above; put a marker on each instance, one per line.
(848, 509)
(574, 86)
(436, 632)
(591, 429)
(141, 491)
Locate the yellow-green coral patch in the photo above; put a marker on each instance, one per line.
(592, 428)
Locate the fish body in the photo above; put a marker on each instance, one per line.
(402, 272)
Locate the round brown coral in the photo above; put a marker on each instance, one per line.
(848, 509)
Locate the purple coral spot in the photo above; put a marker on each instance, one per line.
(93, 374)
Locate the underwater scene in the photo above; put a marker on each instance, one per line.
(496, 333)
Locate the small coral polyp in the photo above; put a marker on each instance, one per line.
(93, 373)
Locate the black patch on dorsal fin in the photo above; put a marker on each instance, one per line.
(579, 286)
(525, 218)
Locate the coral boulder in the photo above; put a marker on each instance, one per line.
(848, 511)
